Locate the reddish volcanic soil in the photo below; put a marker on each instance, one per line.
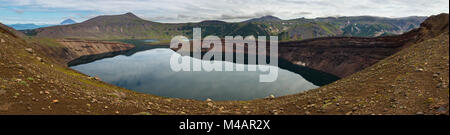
(413, 80)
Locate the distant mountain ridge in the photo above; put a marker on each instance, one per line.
(67, 22)
(130, 26)
(28, 26)
(267, 18)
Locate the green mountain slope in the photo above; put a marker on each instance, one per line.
(129, 26)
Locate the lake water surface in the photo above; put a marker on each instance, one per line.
(148, 71)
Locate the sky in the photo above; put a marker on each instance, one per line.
(180, 11)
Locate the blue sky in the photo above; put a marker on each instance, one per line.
(55, 11)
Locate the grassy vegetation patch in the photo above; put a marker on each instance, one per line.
(44, 41)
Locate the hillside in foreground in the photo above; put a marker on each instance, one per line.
(412, 81)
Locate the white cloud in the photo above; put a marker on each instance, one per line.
(238, 10)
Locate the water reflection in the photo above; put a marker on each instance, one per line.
(149, 71)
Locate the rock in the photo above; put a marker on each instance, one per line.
(419, 69)
(117, 112)
(274, 112)
(40, 59)
(150, 103)
(419, 113)
(307, 113)
(311, 105)
(121, 95)
(55, 101)
(29, 50)
(349, 113)
(97, 78)
(2, 92)
(347, 102)
(5, 107)
(210, 104)
(2, 40)
(20, 66)
(394, 106)
(208, 100)
(435, 75)
(355, 108)
(271, 96)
